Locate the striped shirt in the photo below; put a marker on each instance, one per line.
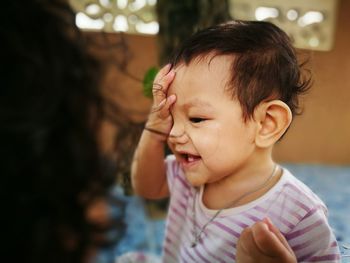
(298, 213)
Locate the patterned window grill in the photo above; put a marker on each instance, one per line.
(310, 24)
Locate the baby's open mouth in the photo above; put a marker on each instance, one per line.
(190, 158)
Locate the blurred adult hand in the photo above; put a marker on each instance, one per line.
(264, 243)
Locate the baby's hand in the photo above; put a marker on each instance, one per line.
(160, 120)
(263, 243)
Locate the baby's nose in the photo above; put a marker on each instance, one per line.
(178, 134)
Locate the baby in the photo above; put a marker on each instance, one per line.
(234, 95)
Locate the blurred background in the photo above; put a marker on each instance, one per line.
(136, 36)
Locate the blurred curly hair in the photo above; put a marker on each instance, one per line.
(51, 109)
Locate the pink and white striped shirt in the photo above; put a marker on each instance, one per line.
(291, 205)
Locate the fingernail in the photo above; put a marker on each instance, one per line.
(268, 222)
(172, 97)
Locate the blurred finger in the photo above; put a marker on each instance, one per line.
(278, 233)
(246, 245)
(271, 244)
(266, 241)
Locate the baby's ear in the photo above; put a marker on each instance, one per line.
(273, 119)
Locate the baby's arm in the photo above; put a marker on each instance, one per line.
(263, 243)
(148, 168)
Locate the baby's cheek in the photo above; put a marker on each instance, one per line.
(210, 145)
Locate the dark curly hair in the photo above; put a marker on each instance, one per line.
(51, 108)
(264, 62)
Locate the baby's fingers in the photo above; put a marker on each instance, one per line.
(161, 84)
(163, 108)
(162, 72)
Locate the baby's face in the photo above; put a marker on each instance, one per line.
(208, 137)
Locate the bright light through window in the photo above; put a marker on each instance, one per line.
(262, 13)
(85, 22)
(292, 15)
(147, 28)
(120, 24)
(310, 17)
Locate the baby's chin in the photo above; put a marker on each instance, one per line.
(194, 181)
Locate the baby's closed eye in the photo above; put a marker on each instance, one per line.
(197, 119)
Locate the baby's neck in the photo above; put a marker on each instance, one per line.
(225, 193)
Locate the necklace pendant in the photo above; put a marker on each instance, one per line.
(195, 241)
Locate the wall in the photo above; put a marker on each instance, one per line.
(320, 135)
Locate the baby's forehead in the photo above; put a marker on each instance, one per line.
(205, 68)
(203, 71)
(203, 78)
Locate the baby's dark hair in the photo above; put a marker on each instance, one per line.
(264, 62)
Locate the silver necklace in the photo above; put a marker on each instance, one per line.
(197, 236)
